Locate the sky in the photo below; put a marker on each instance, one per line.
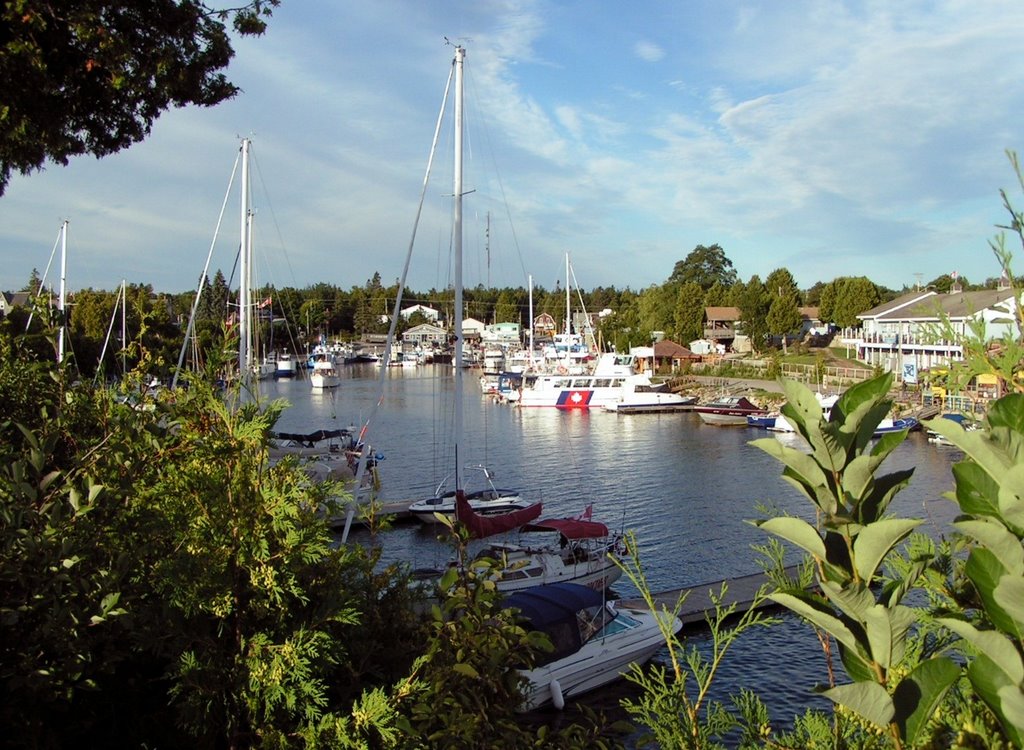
(830, 138)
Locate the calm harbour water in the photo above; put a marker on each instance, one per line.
(686, 489)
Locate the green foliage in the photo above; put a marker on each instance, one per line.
(892, 688)
(467, 687)
(162, 584)
(705, 266)
(990, 493)
(673, 713)
(94, 76)
(754, 304)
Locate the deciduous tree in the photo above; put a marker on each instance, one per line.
(91, 76)
(705, 266)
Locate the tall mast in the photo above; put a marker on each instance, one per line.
(460, 55)
(245, 248)
(568, 319)
(62, 300)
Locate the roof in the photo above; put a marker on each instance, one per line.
(892, 305)
(666, 348)
(935, 306)
(722, 313)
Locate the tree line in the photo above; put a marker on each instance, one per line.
(295, 319)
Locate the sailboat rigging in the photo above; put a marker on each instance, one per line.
(490, 500)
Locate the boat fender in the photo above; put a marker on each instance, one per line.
(557, 699)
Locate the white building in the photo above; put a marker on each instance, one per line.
(924, 329)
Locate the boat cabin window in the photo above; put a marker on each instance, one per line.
(581, 383)
(602, 383)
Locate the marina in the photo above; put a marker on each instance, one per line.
(684, 488)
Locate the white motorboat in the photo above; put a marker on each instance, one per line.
(324, 373)
(728, 410)
(564, 390)
(638, 394)
(488, 501)
(595, 641)
(287, 366)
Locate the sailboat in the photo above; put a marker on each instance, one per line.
(490, 500)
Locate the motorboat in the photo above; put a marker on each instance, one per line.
(564, 390)
(324, 373)
(287, 366)
(896, 425)
(961, 419)
(638, 394)
(728, 410)
(489, 500)
(595, 641)
(767, 421)
(776, 422)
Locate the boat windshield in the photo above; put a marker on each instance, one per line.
(594, 621)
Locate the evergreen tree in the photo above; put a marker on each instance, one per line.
(754, 305)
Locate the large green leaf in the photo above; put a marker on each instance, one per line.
(919, 694)
(818, 617)
(853, 601)
(876, 540)
(1000, 542)
(976, 492)
(798, 532)
(975, 444)
(1009, 595)
(992, 685)
(985, 571)
(868, 699)
(1011, 497)
(799, 462)
(1011, 700)
(1008, 412)
(880, 635)
(995, 646)
(876, 502)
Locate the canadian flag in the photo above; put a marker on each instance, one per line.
(587, 514)
(954, 276)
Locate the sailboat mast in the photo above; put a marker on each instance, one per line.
(568, 298)
(63, 279)
(243, 273)
(460, 55)
(529, 323)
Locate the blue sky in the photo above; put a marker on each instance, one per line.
(830, 138)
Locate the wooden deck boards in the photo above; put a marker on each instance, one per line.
(698, 605)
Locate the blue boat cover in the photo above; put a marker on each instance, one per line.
(547, 605)
(552, 609)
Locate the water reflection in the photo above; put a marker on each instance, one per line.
(686, 489)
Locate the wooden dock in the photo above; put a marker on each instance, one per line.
(698, 606)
